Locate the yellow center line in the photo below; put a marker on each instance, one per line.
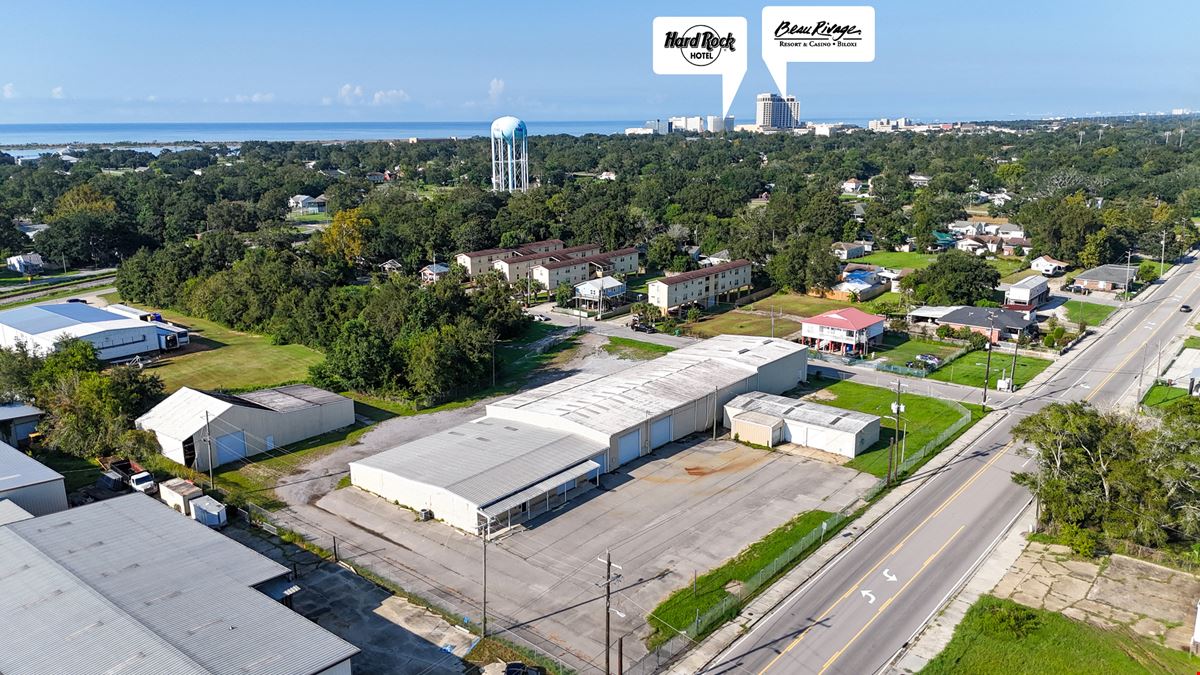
(886, 604)
(957, 493)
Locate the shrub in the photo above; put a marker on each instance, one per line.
(945, 331)
(1048, 341)
(964, 333)
(977, 340)
(1082, 541)
(1010, 620)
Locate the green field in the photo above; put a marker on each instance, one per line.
(1014, 277)
(1006, 266)
(221, 358)
(927, 417)
(1000, 636)
(739, 323)
(1162, 395)
(797, 304)
(969, 369)
(310, 217)
(889, 297)
(77, 471)
(636, 283)
(1191, 342)
(679, 610)
(636, 350)
(898, 260)
(1090, 313)
(899, 350)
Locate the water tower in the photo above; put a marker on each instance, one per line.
(510, 163)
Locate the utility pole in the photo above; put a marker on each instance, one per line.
(1162, 257)
(893, 469)
(621, 655)
(208, 442)
(987, 369)
(487, 529)
(493, 360)
(1128, 263)
(607, 606)
(1012, 381)
(715, 391)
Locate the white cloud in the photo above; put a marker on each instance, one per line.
(495, 90)
(389, 96)
(349, 94)
(256, 97)
(8, 91)
(57, 92)
(152, 98)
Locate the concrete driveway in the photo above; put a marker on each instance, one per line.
(680, 511)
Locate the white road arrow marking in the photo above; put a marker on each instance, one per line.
(869, 596)
(887, 574)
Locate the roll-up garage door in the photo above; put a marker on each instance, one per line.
(230, 447)
(660, 432)
(629, 446)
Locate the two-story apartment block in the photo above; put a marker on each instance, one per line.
(520, 267)
(702, 286)
(849, 331)
(478, 262)
(577, 270)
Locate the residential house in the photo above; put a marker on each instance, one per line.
(392, 266)
(849, 331)
(972, 245)
(918, 180)
(1107, 277)
(1028, 293)
(852, 186)
(943, 241)
(26, 263)
(702, 286)
(1049, 266)
(860, 212)
(848, 250)
(1005, 230)
(607, 175)
(893, 277)
(995, 323)
(433, 272)
(966, 228)
(299, 202)
(376, 177)
(1016, 246)
(319, 204)
(600, 293)
(717, 258)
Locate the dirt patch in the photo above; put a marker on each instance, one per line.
(1153, 601)
(821, 395)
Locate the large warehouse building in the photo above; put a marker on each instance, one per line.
(242, 425)
(114, 335)
(765, 419)
(29, 484)
(539, 448)
(129, 586)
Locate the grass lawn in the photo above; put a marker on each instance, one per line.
(899, 350)
(1163, 395)
(1191, 342)
(969, 369)
(310, 217)
(1006, 266)
(889, 297)
(1014, 277)
(739, 323)
(927, 417)
(635, 350)
(1091, 313)
(77, 472)
(222, 358)
(679, 610)
(899, 260)
(636, 283)
(1000, 636)
(797, 304)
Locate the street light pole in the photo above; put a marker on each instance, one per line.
(1128, 262)
(987, 370)
(486, 531)
(1012, 379)
(1162, 257)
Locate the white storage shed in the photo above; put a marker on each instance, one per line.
(766, 419)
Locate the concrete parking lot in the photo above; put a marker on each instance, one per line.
(683, 510)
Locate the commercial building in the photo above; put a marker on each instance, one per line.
(766, 419)
(1028, 293)
(702, 286)
(519, 267)
(773, 111)
(478, 262)
(539, 448)
(1107, 277)
(849, 331)
(129, 586)
(572, 271)
(114, 335)
(242, 425)
(718, 124)
(29, 484)
(996, 324)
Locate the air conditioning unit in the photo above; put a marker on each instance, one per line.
(424, 514)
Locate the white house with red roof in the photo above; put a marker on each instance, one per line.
(847, 331)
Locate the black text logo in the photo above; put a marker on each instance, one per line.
(700, 45)
(821, 33)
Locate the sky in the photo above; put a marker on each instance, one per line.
(68, 61)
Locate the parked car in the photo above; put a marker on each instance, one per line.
(930, 359)
(77, 300)
(540, 317)
(1185, 308)
(514, 668)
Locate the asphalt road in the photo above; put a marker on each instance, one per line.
(856, 615)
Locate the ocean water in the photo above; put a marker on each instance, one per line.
(159, 134)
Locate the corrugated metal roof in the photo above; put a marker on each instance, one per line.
(11, 513)
(496, 508)
(612, 403)
(181, 414)
(128, 585)
(782, 407)
(18, 470)
(487, 459)
(759, 418)
(11, 411)
(292, 397)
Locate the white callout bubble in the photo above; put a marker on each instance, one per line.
(815, 34)
(702, 45)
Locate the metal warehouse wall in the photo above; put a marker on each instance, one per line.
(39, 499)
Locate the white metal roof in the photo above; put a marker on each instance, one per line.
(612, 403)
(128, 585)
(807, 412)
(1030, 282)
(933, 312)
(11, 513)
(181, 414)
(541, 488)
(486, 460)
(18, 470)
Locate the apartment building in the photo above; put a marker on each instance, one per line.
(520, 267)
(702, 286)
(478, 262)
(577, 270)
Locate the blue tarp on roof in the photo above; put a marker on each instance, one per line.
(42, 318)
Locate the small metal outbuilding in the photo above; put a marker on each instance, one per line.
(767, 419)
(178, 494)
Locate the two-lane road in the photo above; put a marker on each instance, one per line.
(855, 615)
